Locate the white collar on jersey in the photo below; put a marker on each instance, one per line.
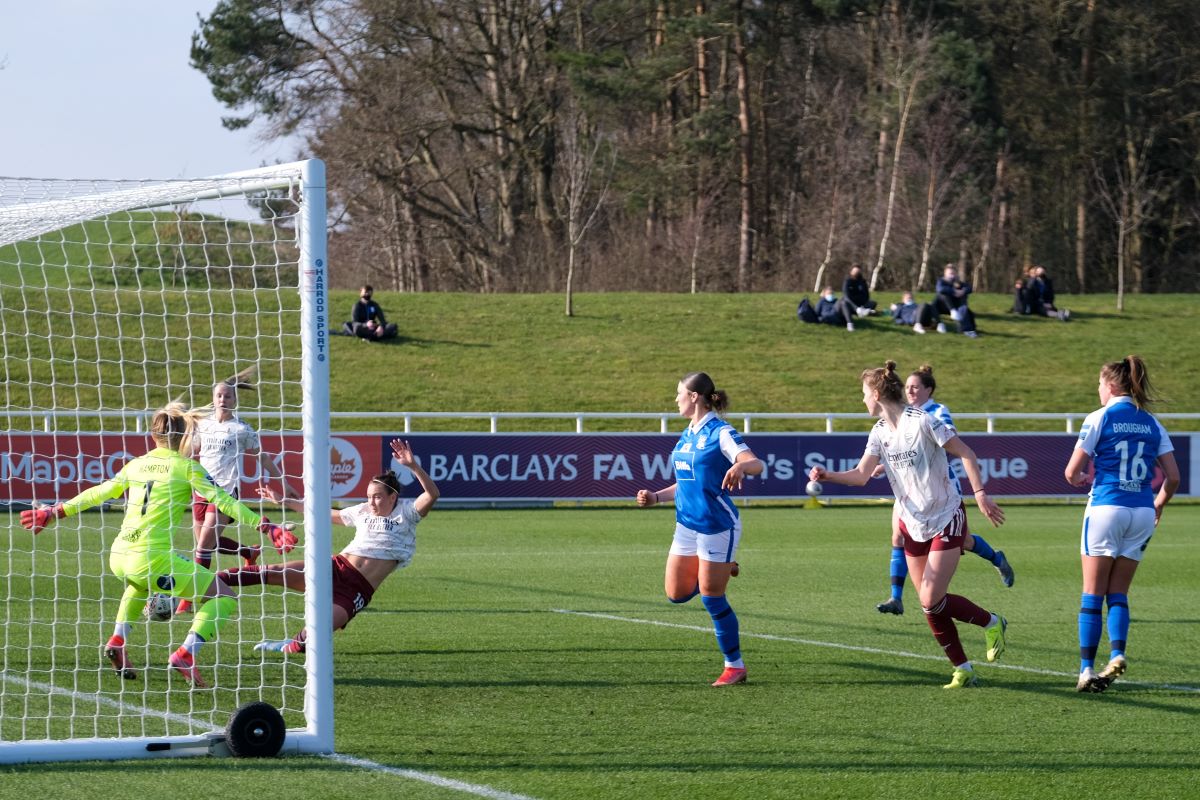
(1121, 398)
(695, 426)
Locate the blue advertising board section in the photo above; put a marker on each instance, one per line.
(498, 467)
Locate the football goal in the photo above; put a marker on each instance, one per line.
(118, 297)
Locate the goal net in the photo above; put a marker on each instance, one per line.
(116, 298)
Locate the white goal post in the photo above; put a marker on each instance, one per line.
(116, 298)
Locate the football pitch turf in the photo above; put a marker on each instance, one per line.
(531, 653)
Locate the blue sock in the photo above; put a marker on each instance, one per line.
(1089, 629)
(898, 570)
(695, 592)
(983, 549)
(1118, 623)
(725, 624)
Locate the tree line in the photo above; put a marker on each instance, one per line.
(743, 145)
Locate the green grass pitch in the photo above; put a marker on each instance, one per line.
(531, 653)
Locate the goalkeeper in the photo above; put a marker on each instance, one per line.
(159, 486)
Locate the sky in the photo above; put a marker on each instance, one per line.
(102, 89)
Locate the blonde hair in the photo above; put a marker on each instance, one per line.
(173, 425)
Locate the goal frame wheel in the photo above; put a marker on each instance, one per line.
(256, 730)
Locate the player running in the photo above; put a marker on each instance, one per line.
(912, 446)
(710, 460)
(159, 486)
(219, 444)
(919, 389)
(385, 537)
(1125, 442)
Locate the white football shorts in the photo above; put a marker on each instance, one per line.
(1116, 531)
(719, 547)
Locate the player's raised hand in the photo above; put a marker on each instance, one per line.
(403, 452)
(645, 498)
(268, 494)
(35, 519)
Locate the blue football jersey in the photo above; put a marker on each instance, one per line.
(941, 413)
(1124, 443)
(700, 465)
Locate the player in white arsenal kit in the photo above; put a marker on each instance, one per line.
(385, 537)
(919, 389)
(710, 459)
(220, 442)
(912, 447)
(1125, 442)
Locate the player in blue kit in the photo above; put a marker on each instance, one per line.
(710, 459)
(1124, 441)
(918, 390)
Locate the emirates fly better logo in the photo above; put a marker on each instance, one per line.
(345, 467)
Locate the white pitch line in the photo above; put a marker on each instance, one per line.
(120, 705)
(428, 777)
(854, 648)
(362, 763)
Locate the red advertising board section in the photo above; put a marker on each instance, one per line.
(45, 467)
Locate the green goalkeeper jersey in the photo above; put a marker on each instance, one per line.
(160, 486)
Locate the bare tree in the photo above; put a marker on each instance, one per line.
(1126, 195)
(581, 153)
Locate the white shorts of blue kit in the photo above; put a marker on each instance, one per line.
(720, 547)
(1116, 531)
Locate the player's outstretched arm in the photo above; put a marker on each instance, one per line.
(957, 447)
(402, 450)
(858, 476)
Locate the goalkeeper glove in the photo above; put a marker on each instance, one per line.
(37, 518)
(283, 539)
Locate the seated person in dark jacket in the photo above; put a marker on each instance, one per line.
(367, 320)
(856, 295)
(1041, 290)
(952, 300)
(1023, 293)
(920, 316)
(832, 311)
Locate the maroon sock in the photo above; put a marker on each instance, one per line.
(945, 632)
(964, 610)
(227, 545)
(243, 576)
(204, 558)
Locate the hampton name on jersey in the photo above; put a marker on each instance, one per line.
(1123, 441)
(221, 446)
(390, 538)
(701, 458)
(918, 470)
(160, 486)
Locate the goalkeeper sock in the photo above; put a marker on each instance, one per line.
(898, 570)
(121, 631)
(983, 549)
(1089, 629)
(211, 615)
